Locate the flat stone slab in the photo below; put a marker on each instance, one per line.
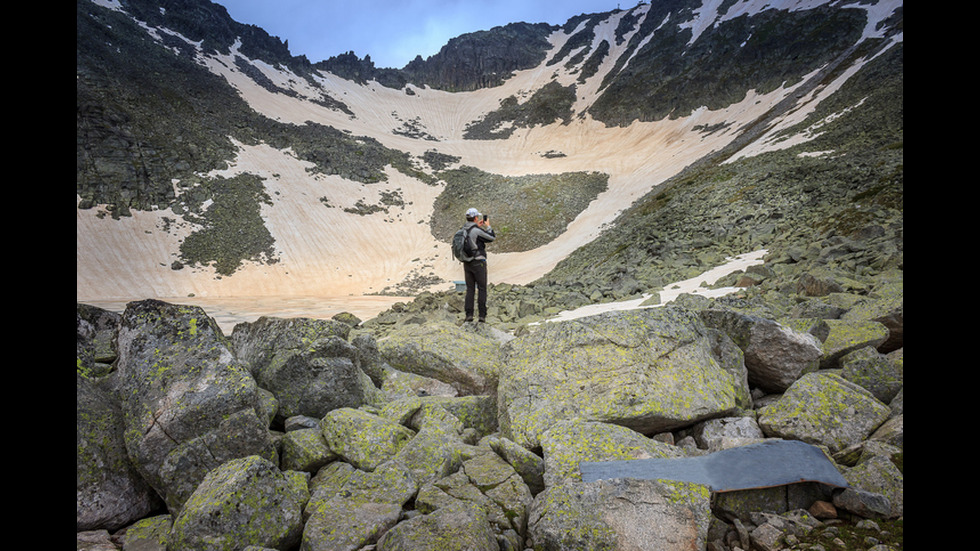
(762, 465)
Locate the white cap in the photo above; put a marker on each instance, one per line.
(472, 213)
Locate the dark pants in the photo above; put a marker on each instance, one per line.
(476, 280)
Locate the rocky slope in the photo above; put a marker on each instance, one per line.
(296, 433)
(212, 163)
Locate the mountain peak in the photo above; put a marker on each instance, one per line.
(205, 130)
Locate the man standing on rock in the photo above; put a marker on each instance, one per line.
(475, 271)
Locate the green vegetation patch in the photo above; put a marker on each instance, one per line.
(232, 230)
(526, 211)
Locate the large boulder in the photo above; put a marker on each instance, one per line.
(246, 501)
(569, 443)
(350, 508)
(874, 371)
(824, 409)
(624, 513)
(306, 363)
(847, 336)
(188, 404)
(110, 493)
(775, 356)
(648, 370)
(459, 356)
(460, 527)
(258, 343)
(363, 439)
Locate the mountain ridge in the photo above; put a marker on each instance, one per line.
(356, 151)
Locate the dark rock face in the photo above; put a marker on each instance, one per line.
(307, 364)
(484, 58)
(182, 391)
(110, 491)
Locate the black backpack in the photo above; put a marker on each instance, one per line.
(462, 248)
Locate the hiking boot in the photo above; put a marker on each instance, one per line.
(483, 320)
(468, 319)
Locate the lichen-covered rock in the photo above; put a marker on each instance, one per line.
(465, 359)
(488, 482)
(527, 464)
(649, 370)
(109, 491)
(472, 412)
(387, 484)
(885, 304)
(874, 371)
(344, 525)
(847, 336)
(148, 534)
(306, 363)
(891, 432)
(350, 508)
(246, 501)
(258, 343)
(621, 513)
(458, 527)
(568, 443)
(363, 439)
(305, 450)
(824, 409)
(503, 486)
(189, 405)
(877, 473)
(434, 451)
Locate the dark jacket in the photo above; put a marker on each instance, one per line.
(479, 239)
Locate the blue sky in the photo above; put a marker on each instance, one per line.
(393, 32)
